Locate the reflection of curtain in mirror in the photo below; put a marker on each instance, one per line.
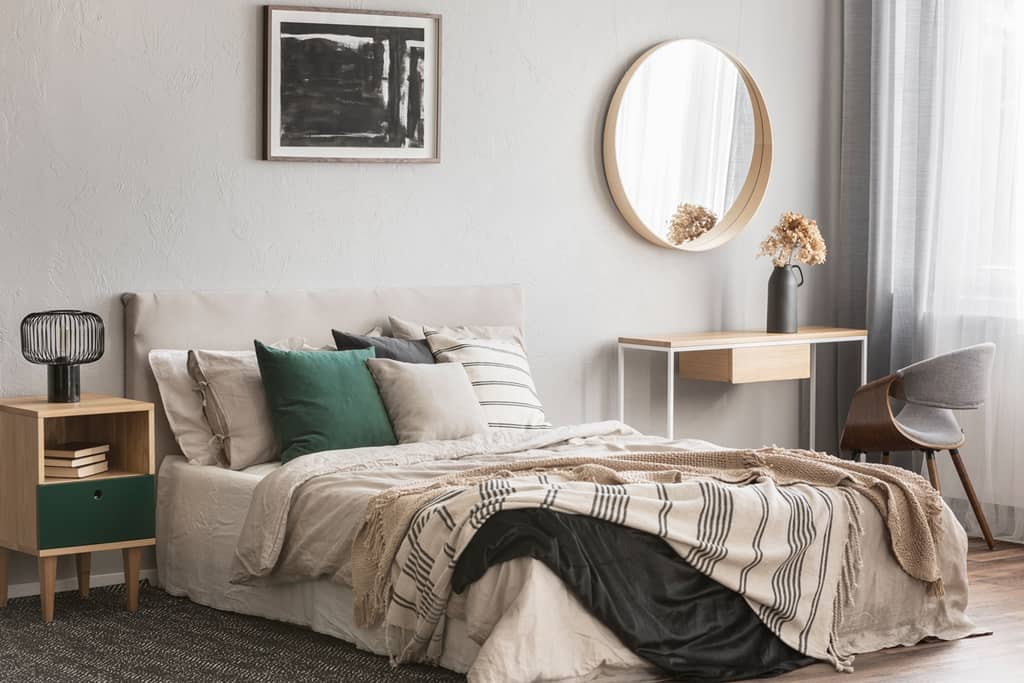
(676, 132)
(742, 142)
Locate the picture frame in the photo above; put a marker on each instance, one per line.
(351, 85)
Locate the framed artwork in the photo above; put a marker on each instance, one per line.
(352, 85)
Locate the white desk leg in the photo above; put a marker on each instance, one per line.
(864, 361)
(622, 385)
(812, 398)
(670, 396)
(863, 376)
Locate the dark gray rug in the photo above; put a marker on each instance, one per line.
(173, 639)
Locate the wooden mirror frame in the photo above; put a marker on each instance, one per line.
(751, 193)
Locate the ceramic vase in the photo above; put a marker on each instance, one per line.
(782, 299)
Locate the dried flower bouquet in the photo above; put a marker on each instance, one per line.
(690, 222)
(794, 237)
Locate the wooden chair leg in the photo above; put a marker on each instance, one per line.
(4, 554)
(933, 470)
(83, 563)
(47, 585)
(885, 457)
(132, 559)
(958, 463)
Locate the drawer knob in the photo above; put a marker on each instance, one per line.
(97, 494)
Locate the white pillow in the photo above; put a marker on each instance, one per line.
(406, 329)
(427, 402)
(500, 375)
(183, 405)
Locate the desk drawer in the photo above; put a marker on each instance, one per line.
(751, 364)
(90, 512)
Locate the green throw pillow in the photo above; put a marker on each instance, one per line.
(322, 400)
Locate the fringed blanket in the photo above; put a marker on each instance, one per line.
(779, 527)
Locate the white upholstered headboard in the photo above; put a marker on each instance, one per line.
(232, 319)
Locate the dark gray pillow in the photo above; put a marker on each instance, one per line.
(403, 350)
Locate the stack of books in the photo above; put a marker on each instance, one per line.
(75, 460)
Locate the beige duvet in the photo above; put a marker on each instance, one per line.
(304, 516)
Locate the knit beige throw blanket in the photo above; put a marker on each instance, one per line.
(910, 507)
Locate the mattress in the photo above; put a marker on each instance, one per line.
(200, 511)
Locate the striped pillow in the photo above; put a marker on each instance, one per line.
(500, 375)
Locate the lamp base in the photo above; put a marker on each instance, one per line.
(63, 384)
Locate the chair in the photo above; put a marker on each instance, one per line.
(931, 389)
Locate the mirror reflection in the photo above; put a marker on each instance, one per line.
(684, 139)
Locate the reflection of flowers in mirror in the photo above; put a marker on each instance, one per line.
(690, 222)
(794, 237)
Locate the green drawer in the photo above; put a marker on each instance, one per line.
(91, 512)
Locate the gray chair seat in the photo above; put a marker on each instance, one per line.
(934, 427)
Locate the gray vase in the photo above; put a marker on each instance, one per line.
(782, 303)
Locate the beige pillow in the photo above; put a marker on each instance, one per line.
(427, 402)
(235, 405)
(406, 329)
(183, 406)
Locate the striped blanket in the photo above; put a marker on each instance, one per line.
(791, 550)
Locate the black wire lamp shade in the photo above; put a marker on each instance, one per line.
(62, 340)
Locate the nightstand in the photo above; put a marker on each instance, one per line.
(49, 517)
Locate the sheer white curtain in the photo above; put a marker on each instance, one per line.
(975, 286)
(946, 212)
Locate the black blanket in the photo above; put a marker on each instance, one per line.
(661, 608)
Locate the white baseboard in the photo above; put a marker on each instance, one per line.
(21, 590)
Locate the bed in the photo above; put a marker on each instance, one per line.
(202, 511)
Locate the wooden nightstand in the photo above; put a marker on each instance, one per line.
(49, 517)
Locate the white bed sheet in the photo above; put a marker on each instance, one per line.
(200, 511)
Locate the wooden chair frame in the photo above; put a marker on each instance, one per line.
(871, 426)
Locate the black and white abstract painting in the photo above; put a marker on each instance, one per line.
(352, 85)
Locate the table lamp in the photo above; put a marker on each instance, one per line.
(62, 340)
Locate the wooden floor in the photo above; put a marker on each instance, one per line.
(996, 602)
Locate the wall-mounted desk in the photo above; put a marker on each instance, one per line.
(740, 358)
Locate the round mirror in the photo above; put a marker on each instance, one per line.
(687, 145)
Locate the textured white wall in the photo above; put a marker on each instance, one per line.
(130, 137)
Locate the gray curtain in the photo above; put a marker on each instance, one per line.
(887, 178)
(889, 173)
